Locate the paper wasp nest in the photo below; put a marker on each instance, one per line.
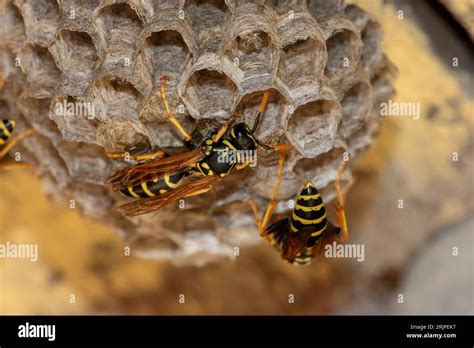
(321, 60)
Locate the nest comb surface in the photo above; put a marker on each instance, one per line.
(321, 61)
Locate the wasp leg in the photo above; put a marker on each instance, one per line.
(13, 141)
(200, 192)
(281, 147)
(169, 113)
(262, 223)
(240, 166)
(339, 206)
(138, 158)
(272, 204)
(216, 137)
(254, 208)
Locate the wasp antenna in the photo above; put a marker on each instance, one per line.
(257, 121)
(265, 146)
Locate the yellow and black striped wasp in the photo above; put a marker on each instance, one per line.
(303, 235)
(7, 142)
(164, 179)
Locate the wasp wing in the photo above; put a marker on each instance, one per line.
(289, 243)
(328, 236)
(296, 242)
(278, 230)
(172, 164)
(187, 189)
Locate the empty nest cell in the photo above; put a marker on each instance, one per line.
(41, 18)
(252, 46)
(370, 32)
(301, 63)
(324, 9)
(371, 37)
(78, 14)
(383, 81)
(12, 30)
(357, 16)
(312, 127)
(42, 73)
(76, 56)
(89, 6)
(112, 97)
(363, 138)
(343, 53)
(253, 52)
(153, 8)
(118, 27)
(121, 135)
(207, 17)
(210, 94)
(75, 118)
(74, 52)
(166, 53)
(283, 7)
(356, 107)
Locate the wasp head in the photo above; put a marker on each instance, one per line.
(243, 137)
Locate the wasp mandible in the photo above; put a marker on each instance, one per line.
(164, 179)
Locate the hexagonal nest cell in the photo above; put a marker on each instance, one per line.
(118, 27)
(41, 71)
(166, 54)
(63, 59)
(312, 127)
(112, 97)
(42, 19)
(212, 93)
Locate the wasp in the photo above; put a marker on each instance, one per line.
(7, 142)
(160, 179)
(303, 235)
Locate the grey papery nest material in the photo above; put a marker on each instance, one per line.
(321, 61)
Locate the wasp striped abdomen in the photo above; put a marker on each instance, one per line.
(309, 211)
(297, 236)
(6, 128)
(153, 187)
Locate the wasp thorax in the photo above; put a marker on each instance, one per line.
(242, 137)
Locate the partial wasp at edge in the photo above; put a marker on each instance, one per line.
(7, 142)
(162, 179)
(303, 235)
